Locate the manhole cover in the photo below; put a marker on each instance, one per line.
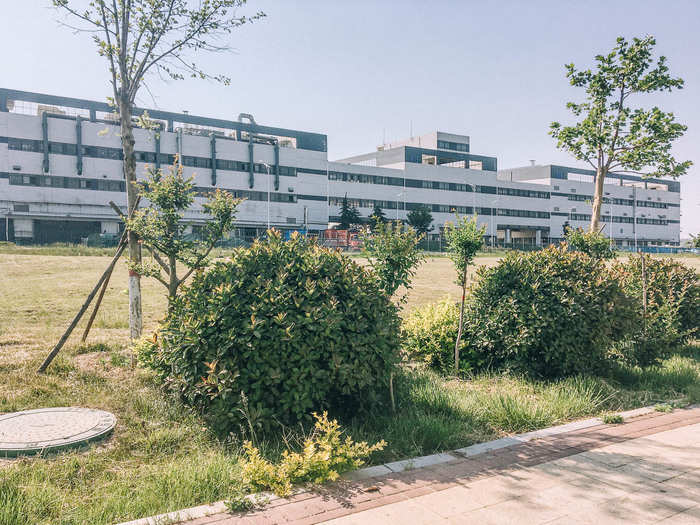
(52, 429)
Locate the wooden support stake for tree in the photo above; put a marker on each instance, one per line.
(82, 310)
(104, 279)
(96, 308)
(109, 275)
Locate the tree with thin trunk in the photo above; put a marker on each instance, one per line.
(464, 239)
(162, 230)
(420, 220)
(349, 216)
(377, 217)
(139, 39)
(612, 135)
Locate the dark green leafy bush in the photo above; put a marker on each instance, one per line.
(280, 330)
(666, 279)
(672, 314)
(550, 313)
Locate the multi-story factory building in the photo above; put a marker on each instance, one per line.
(60, 166)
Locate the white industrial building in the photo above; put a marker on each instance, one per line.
(60, 165)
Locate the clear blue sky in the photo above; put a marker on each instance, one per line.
(352, 69)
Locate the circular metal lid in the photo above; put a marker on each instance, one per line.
(52, 429)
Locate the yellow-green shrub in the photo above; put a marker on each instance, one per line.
(324, 457)
(429, 334)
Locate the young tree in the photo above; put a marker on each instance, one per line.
(611, 134)
(594, 244)
(377, 216)
(464, 239)
(393, 255)
(349, 216)
(139, 38)
(420, 219)
(161, 229)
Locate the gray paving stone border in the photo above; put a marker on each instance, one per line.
(399, 466)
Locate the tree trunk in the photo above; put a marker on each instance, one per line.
(129, 163)
(461, 319)
(598, 199)
(173, 283)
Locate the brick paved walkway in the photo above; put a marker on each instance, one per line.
(646, 470)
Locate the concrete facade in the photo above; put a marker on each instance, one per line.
(60, 165)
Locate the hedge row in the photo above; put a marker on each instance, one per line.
(555, 312)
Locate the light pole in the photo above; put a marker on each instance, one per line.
(493, 215)
(267, 167)
(397, 201)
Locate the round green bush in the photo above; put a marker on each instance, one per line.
(668, 280)
(550, 313)
(672, 311)
(280, 330)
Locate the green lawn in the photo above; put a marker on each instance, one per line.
(162, 457)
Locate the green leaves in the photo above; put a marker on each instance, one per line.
(393, 255)
(161, 226)
(593, 244)
(550, 313)
(464, 239)
(349, 216)
(303, 327)
(613, 135)
(420, 220)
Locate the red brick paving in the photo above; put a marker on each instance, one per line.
(342, 498)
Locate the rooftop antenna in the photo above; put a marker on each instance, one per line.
(410, 128)
(384, 137)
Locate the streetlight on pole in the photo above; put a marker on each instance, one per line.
(397, 202)
(267, 167)
(494, 234)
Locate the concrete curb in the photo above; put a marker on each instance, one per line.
(397, 466)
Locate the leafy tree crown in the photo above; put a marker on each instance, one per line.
(420, 219)
(393, 255)
(464, 239)
(613, 135)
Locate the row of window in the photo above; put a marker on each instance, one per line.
(606, 200)
(619, 202)
(100, 152)
(74, 183)
(438, 208)
(431, 184)
(454, 146)
(80, 183)
(515, 192)
(617, 219)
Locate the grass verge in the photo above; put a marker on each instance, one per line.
(162, 457)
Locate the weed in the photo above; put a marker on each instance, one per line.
(612, 419)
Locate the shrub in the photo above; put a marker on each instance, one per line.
(594, 244)
(667, 279)
(672, 313)
(392, 253)
(279, 330)
(464, 239)
(429, 335)
(325, 455)
(550, 313)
